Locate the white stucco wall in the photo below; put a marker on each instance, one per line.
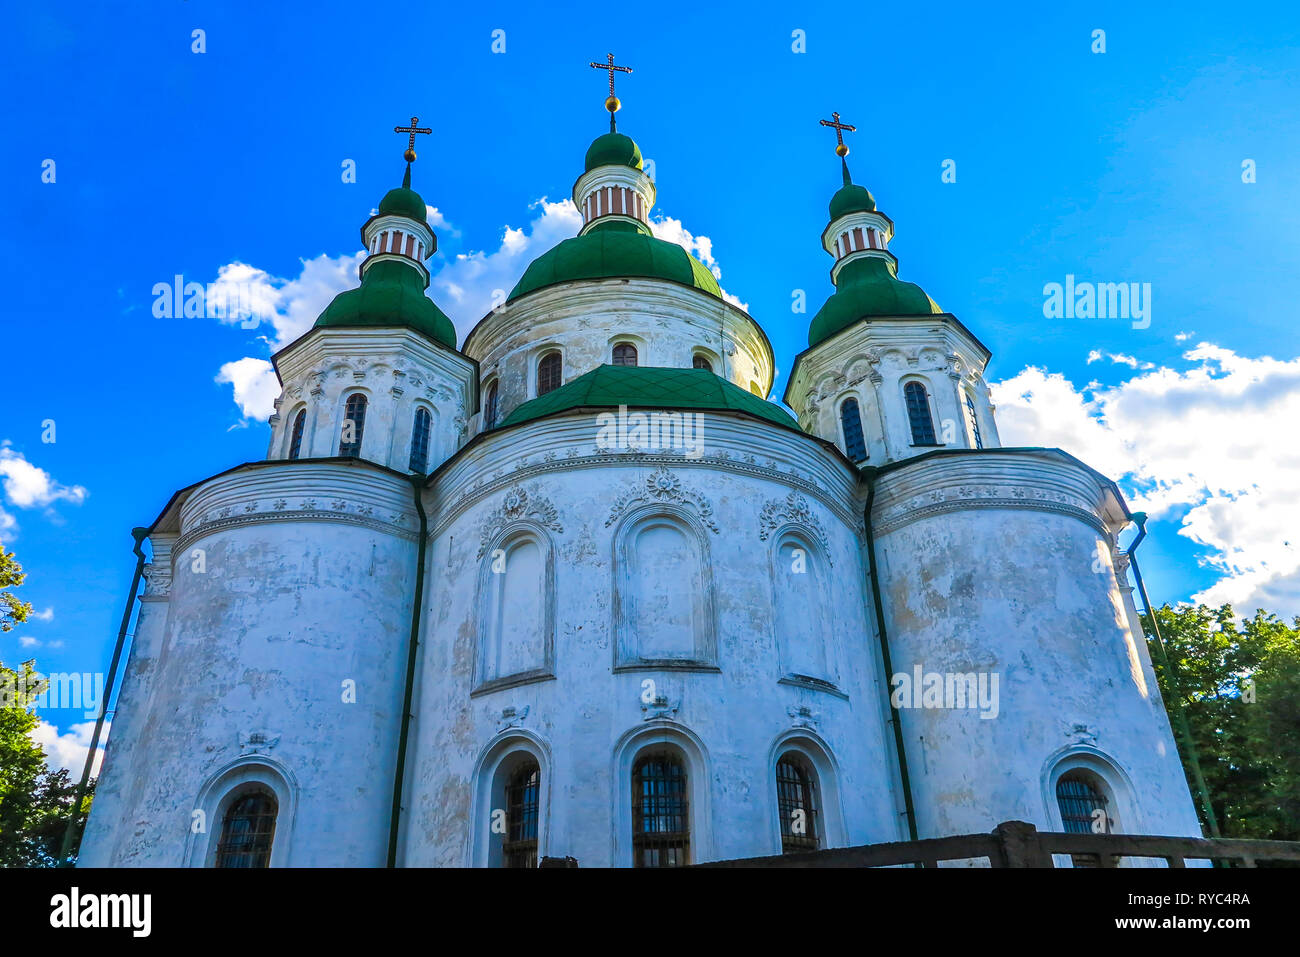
(1002, 564)
(583, 718)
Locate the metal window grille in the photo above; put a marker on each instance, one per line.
(660, 821)
(490, 407)
(625, 354)
(1079, 799)
(854, 443)
(247, 832)
(795, 792)
(699, 362)
(918, 414)
(520, 846)
(295, 434)
(354, 412)
(974, 422)
(548, 373)
(420, 442)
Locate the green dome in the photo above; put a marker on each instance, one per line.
(643, 387)
(615, 250)
(867, 288)
(391, 294)
(404, 202)
(613, 149)
(852, 198)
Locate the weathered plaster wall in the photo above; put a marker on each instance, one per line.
(741, 492)
(1003, 564)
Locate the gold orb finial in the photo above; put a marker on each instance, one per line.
(409, 156)
(842, 150)
(613, 104)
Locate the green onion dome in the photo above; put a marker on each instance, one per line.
(866, 288)
(616, 249)
(852, 198)
(650, 387)
(404, 202)
(613, 149)
(391, 294)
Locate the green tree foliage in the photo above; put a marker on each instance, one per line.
(12, 610)
(1239, 683)
(34, 801)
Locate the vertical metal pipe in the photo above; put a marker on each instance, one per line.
(1171, 670)
(417, 482)
(910, 811)
(139, 534)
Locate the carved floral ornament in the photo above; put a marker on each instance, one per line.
(792, 510)
(516, 505)
(662, 486)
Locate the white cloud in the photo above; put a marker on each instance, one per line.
(28, 486)
(255, 383)
(27, 641)
(46, 615)
(68, 750)
(1120, 359)
(467, 286)
(1212, 439)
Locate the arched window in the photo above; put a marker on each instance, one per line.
(519, 849)
(490, 407)
(974, 421)
(354, 424)
(918, 414)
(855, 446)
(295, 433)
(420, 442)
(1083, 810)
(247, 831)
(701, 362)
(796, 802)
(660, 816)
(624, 354)
(548, 373)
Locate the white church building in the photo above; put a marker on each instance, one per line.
(577, 587)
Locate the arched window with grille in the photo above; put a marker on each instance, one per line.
(295, 433)
(549, 373)
(354, 425)
(855, 445)
(1084, 810)
(420, 429)
(918, 414)
(701, 362)
(660, 813)
(974, 422)
(247, 831)
(624, 354)
(519, 847)
(490, 406)
(797, 804)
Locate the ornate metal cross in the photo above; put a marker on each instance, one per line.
(612, 68)
(412, 129)
(840, 149)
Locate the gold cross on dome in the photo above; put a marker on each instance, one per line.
(412, 129)
(840, 149)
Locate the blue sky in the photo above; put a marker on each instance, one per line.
(1122, 166)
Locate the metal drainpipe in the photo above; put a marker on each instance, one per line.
(1179, 716)
(139, 534)
(870, 475)
(416, 483)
